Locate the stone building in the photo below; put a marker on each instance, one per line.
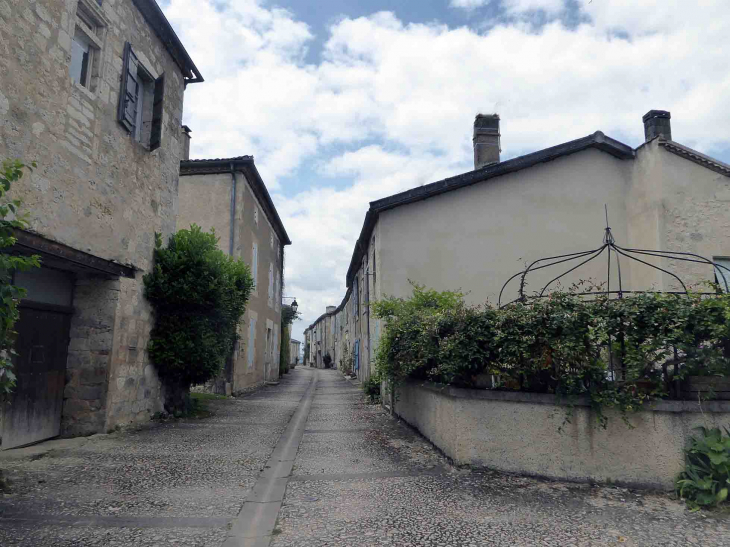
(228, 195)
(472, 232)
(92, 91)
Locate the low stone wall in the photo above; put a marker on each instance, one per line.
(518, 432)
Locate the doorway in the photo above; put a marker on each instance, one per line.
(32, 412)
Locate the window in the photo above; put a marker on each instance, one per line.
(86, 47)
(254, 263)
(277, 292)
(722, 274)
(355, 297)
(271, 240)
(271, 285)
(251, 340)
(274, 345)
(141, 101)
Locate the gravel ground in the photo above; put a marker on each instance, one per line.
(360, 479)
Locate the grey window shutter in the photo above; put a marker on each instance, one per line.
(129, 90)
(157, 107)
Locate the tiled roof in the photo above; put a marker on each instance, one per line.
(696, 157)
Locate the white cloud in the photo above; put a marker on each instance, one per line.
(413, 89)
(469, 4)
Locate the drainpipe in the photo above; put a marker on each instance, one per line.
(233, 210)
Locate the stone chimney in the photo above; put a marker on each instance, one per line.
(656, 122)
(186, 142)
(486, 140)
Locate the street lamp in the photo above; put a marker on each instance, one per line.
(294, 305)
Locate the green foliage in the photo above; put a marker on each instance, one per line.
(199, 295)
(288, 316)
(347, 359)
(563, 344)
(10, 295)
(371, 387)
(306, 353)
(706, 478)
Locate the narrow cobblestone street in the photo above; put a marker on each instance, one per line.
(351, 476)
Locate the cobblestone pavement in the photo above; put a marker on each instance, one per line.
(176, 483)
(359, 479)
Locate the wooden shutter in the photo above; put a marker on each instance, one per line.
(157, 106)
(129, 90)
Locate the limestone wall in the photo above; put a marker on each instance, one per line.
(95, 189)
(518, 432)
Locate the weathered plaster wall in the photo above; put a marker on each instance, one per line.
(475, 238)
(518, 432)
(678, 205)
(205, 200)
(95, 189)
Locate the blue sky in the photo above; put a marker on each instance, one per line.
(344, 102)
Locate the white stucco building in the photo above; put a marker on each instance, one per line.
(473, 231)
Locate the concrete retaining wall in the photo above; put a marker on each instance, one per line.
(518, 432)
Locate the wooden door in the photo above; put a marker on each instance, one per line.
(32, 412)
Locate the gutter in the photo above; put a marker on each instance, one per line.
(233, 210)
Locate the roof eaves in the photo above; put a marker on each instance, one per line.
(157, 20)
(695, 156)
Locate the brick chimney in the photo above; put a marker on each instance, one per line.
(656, 122)
(486, 140)
(186, 142)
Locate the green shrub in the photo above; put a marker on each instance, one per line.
(198, 294)
(10, 295)
(618, 353)
(706, 478)
(371, 387)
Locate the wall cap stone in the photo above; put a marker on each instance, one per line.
(549, 399)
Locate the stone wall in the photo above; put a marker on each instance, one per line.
(95, 188)
(89, 354)
(518, 433)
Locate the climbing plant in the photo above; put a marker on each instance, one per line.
(11, 219)
(198, 294)
(288, 316)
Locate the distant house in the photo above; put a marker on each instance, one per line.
(92, 91)
(473, 231)
(230, 196)
(295, 348)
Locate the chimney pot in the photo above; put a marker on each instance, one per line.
(486, 140)
(186, 142)
(656, 123)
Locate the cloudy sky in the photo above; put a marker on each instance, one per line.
(345, 101)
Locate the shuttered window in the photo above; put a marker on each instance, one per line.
(355, 297)
(251, 340)
(254, 264)
(271, 285)
(141, 101)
